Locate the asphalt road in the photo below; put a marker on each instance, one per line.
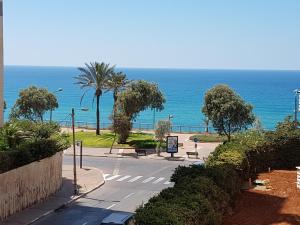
(129, 184)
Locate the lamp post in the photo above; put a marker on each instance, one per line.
(297, 93)
(74, 149)
(169, 118)
(58, 90)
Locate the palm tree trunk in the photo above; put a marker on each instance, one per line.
(98, 115)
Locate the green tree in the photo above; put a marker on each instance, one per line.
(227, 111)
(162, 129)
(95, 76)
(33, 103)
(287, 126)
(138, 96)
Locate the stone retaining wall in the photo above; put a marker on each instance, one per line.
(29, 184)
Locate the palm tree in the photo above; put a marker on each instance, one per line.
(116, 83)
(95, 75)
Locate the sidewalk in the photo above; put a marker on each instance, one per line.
(88, 179)
(203, 149)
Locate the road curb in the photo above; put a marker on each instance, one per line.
(66, 204)
(101, 156)
(122, 156)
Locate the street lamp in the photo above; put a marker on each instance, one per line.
(297, 104)
(169, 118)
(74, 147)
(58, 90)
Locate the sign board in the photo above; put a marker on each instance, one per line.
(298, 177)
(172, 144)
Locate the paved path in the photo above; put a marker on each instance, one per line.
(129, 183)
(88, 180)
(203, 149)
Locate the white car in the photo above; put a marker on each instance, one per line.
(118, 218)
(198, 163)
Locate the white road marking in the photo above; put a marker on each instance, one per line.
(135, 179)
(148, 179)
(105, 175)
(123, 178)
(168, 182)
(85, 223)
(109, 207)
(113, 177)
(158, 180)
(127, 196)
(117, 167)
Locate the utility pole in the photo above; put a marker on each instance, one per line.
(74, 152)
(1, 66)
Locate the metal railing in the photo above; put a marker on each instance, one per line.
(139, 126)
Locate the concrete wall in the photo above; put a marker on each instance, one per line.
(29, 184)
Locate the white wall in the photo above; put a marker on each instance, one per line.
(29, 184)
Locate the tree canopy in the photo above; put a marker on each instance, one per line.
(33, 103)
(227, 111)
(137, 97)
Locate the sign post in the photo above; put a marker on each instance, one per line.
(172, 145)
(79, 143)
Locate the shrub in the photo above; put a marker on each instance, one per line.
(23, 142)
(172, 206)
(207, 187)
(159, 213)
(223, 176)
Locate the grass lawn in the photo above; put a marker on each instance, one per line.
(209, 137)
(136, 140)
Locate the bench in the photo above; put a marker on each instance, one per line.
(140, 152)
(192, 153)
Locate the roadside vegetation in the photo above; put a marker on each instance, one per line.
(24, 141)
(208, 138)
(227, 111)
(26, 138)
(105, 140)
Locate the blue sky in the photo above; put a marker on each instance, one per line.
(220, 34)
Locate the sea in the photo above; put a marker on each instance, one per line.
(270, 93)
